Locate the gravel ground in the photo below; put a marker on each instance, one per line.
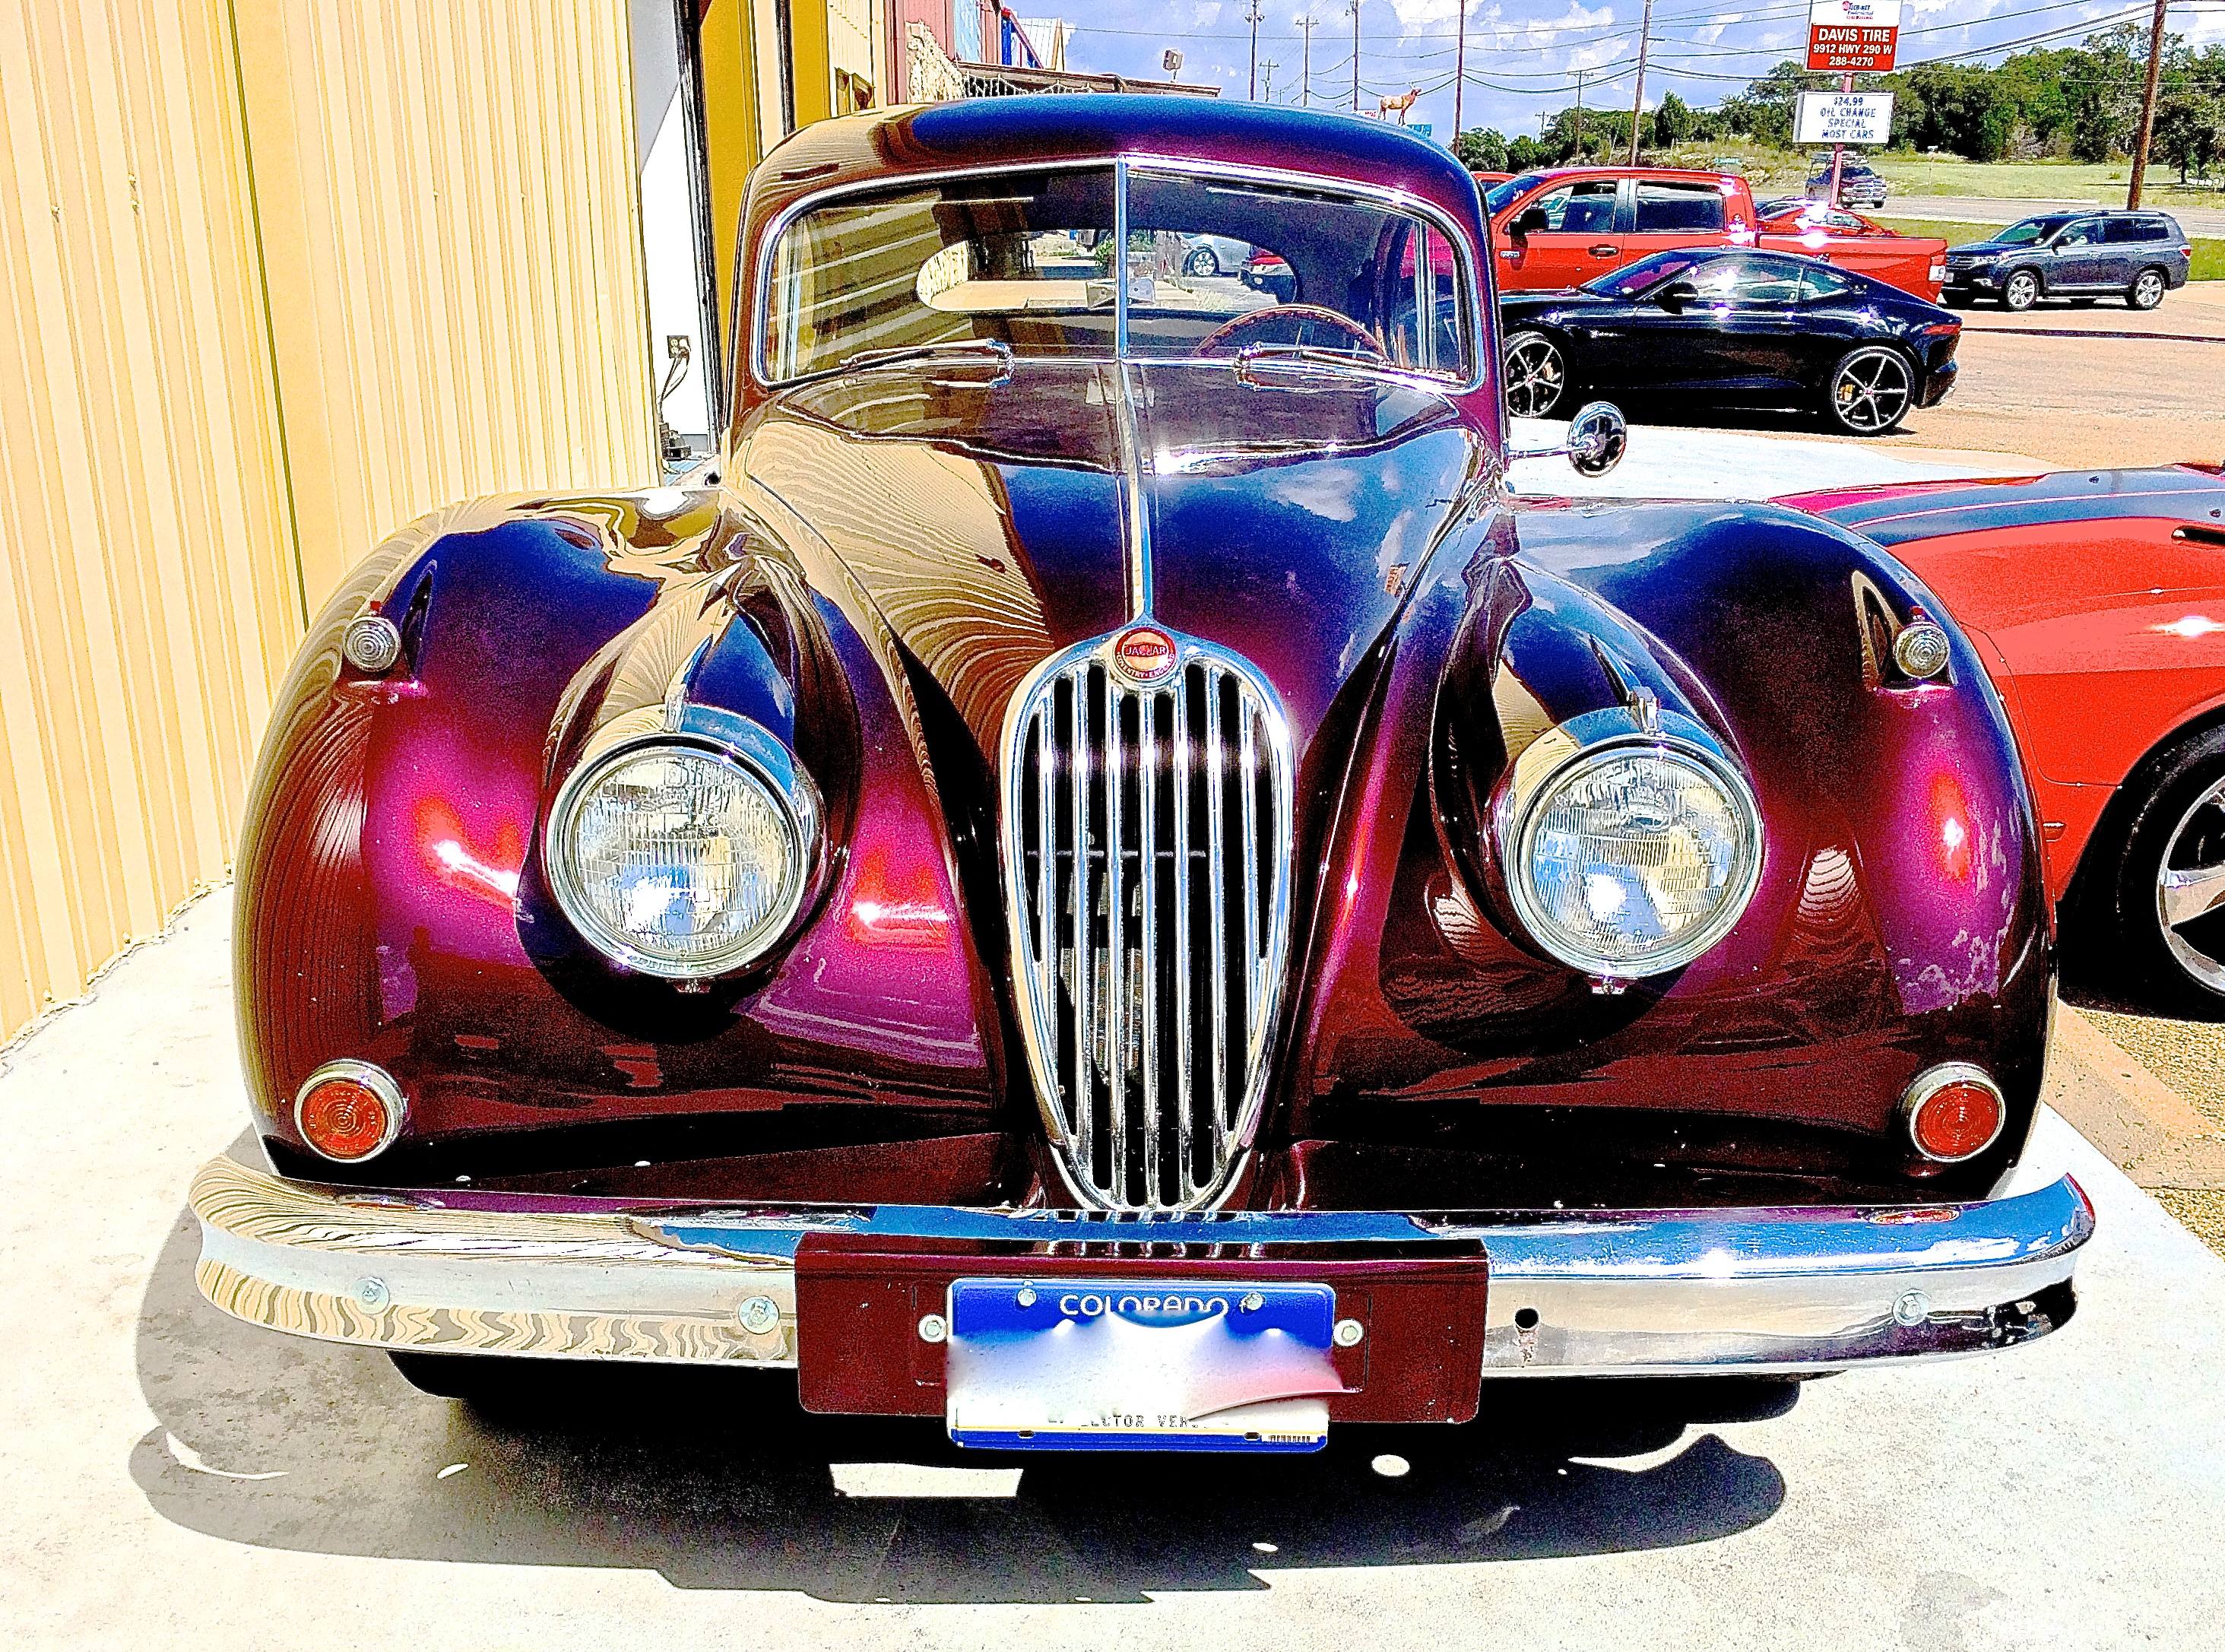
(2187, 1056)
(2201, 1209)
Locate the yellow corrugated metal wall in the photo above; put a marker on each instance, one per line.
(276, 275)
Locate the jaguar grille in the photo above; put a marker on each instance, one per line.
(1147, 850)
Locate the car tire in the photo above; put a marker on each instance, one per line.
(1537, 375)
(1955, 300)
(456, 1376)
(2147, 289)
(1870, 390)
(2117, 936)
(2021, 291)
(1202, 262)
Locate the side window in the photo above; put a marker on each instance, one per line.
(1426, 313)
(1750, 281)
(1821, 280)
(1665, 207)
(2124, 229)
(2155, 229)
(1586, 207)
(2083, 234)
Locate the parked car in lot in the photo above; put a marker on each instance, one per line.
(1560, 228)
(1733, 326)
(1859, 186)
(2097, 603)
(2138, 255)
(1097, 877)
(1915, 263)
(1213, 255)
(1270, 273)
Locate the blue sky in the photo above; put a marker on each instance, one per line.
(1523, 55)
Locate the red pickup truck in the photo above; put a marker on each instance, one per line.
(1563, 227)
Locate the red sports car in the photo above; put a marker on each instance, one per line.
(2097, 601)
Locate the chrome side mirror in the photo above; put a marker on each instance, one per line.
(1594, 446)
(1597, 437)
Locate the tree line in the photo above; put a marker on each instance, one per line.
(2080, 103)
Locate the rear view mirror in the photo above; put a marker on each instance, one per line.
(1676, 295)
(1528, 222)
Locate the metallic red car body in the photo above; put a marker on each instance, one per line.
(946, 582)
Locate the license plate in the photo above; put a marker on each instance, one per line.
(1107, 1365)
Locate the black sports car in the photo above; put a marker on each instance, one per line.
(1729, 325)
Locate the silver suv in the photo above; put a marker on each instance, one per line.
(2138, 255)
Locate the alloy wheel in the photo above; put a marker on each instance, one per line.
(1537, 376)
(2190, 890)
(1203, 262)
(2022, 292)
(2147, 291)
(1872, 391)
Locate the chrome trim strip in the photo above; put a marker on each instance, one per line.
(1463, 244)
(1613, 1292)
(1097, 757)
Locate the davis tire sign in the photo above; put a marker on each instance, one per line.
(1852, 37)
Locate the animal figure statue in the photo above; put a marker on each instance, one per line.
(1400, 104)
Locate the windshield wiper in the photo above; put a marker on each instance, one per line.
(867, 361)
(1251, 359)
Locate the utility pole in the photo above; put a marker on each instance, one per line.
(1252, 17)
(1306, 26)
(1580, 117)
(1271, 65)
(1638, 103)
(1354, 9)
(1459, 73)
(2147, 110)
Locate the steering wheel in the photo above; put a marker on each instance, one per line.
(1301, 317)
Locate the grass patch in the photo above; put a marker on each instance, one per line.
(2209, 255)
(2102, 181)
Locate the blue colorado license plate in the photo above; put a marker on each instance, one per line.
(1104, 1365)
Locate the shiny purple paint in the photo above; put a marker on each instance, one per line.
(874, 581)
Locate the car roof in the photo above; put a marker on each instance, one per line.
(884, 145)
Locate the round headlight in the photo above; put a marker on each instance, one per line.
(680, 860)
(1631, 858)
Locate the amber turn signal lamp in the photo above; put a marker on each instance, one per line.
(349, 1111)
(1954, 1112)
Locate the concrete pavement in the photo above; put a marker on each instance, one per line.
(189, 1482)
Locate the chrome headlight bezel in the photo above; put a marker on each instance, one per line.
(1587, 741)
(758, 756)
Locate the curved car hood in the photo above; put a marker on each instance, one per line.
(989, 523)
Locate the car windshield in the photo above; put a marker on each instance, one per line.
(2032, 230)
(1026, 261)
(1633, 279)
(1500, 196)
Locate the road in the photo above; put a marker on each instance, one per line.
(190, 1483)
(2204, 221)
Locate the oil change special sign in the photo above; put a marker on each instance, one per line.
(1843, 118)
(1852, 37)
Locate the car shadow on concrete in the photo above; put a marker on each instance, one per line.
(718, 1480)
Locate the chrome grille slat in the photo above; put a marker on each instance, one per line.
(1185, 1103)
(1103, 887)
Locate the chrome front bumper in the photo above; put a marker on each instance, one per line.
(1576, 1293)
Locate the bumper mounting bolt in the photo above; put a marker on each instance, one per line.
(1027, 1296)
(758, 1314)
(1911, 1308)
(1348, 1333)
(933, 1328)
(1254, 1302)
(373, 1293)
